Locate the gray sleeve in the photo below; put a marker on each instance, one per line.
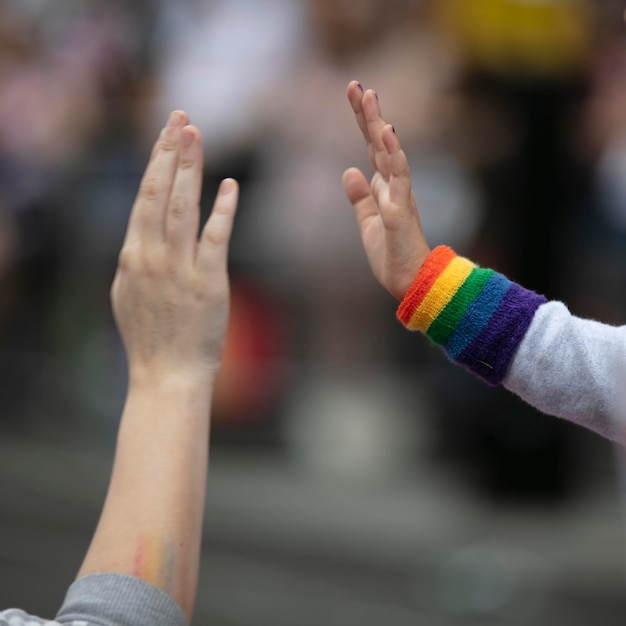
(110, 599)
(107, 599)
(572, 368)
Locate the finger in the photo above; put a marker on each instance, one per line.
(213, 247)
(183, 212)
(355, 97)
(147, 219)
(375, 124)
(360, 195)
(177, 119)
(399, 172)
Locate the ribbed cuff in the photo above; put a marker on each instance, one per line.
(477, 315)
(111, 599)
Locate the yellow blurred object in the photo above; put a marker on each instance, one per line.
(524, 37)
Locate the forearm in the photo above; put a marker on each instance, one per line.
(505, 334)
(151, 524)
(170, 300)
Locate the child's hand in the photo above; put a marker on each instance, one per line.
(170, 294)
(385, 208)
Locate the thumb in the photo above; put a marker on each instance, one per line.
(359, 193)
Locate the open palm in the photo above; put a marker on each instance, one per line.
(385, 207)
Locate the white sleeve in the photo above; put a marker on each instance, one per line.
(574, 369)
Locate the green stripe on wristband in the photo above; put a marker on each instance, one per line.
(447, 321)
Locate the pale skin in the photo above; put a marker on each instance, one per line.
(385, 207)
(170, 300)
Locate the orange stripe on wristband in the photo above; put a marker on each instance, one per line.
(441, 293)
(437, 261)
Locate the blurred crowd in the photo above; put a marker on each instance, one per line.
(513, 114)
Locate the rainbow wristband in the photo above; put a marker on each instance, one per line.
(477, 315)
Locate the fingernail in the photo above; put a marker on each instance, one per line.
(186, 138)
(360, 87)
(175, 120)
(227, 186)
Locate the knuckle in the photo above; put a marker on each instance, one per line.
(150, 188)
(186, 162)
(168, 142)
(125, 259)
(404, 171)
(178, 208)
(212, 237)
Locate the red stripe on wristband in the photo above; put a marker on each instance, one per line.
(433, 267)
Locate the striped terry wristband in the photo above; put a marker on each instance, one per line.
(478, 316)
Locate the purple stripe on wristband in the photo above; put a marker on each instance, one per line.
(489, 355)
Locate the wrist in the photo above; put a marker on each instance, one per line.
(180, 405)
(403, 275)
(165, 381)
(477, 315)
(416, 305)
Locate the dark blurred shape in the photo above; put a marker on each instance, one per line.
(526, 79)
(348, 28)
(61, 62)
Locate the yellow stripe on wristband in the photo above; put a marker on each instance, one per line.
(441, 293)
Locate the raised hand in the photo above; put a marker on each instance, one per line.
(170, 294)
(170, 300)
(385, 207)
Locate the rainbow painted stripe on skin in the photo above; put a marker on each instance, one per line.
(154, 562)
(477, 315)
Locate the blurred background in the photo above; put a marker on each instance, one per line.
(357, 477)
